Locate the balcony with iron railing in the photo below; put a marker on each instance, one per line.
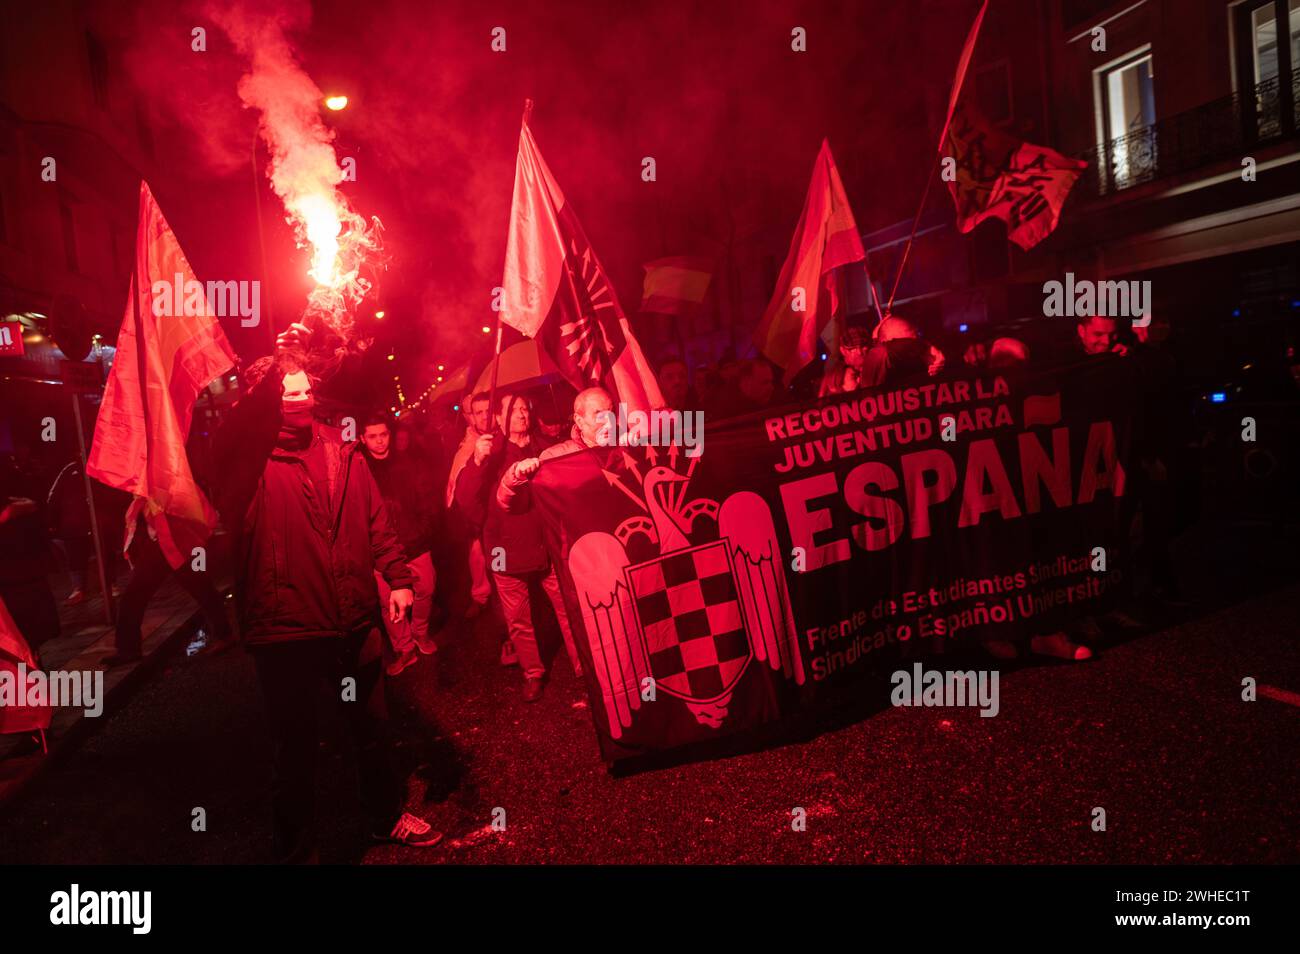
(1212, 132)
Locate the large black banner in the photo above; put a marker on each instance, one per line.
(806, 546)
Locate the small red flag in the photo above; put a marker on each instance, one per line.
(17, 663)
(169, 350)
(807, 294)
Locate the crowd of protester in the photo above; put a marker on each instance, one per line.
(895, 352)
(352, 551)
(437, 475)
(494, 446)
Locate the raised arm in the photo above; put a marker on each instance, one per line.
(512, 490)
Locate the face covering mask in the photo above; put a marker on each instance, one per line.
(295, 424)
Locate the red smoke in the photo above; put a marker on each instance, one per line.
(712, 91)
(304, 169)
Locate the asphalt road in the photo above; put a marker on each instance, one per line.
(1153, 730)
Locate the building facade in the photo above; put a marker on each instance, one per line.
(74, 143)
(1186, 113)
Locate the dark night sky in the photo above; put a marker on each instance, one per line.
(712, 91)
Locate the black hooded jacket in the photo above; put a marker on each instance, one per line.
(305, 554)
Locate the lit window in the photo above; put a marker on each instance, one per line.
(1130, 98)
(1266, 62)
(1128, 110)
(1295, 34)
(1263, 28)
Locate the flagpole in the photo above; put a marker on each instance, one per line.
(875, 300)
(496, 358)
(959, 81)
(496, 366)
(105, 585)
(916, 221)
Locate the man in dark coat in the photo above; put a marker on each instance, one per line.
(899, 355)
(414, 505)
(69, 522)
(754, 390)
(513, 543)
(310, 530)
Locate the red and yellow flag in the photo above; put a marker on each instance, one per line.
(451, 386)
(164, 361)
(557, 292)
(676, 286)
(807, 295)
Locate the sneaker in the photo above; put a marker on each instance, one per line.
(508, 655)
(532, 688)
(426, 645)
(412, 831)
(120, 658)
(76, 597)
(1060, 646)
(402, 662)
(1001, 648)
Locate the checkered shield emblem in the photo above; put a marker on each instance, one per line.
(688, 607)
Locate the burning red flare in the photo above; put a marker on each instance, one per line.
(305, 172)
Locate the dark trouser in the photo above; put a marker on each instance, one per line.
(80, 549)
(291, 675)
(149, 570)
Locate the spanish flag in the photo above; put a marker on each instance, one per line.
(164, 362)
(807, 294)
(676, 286)
(453, 385)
